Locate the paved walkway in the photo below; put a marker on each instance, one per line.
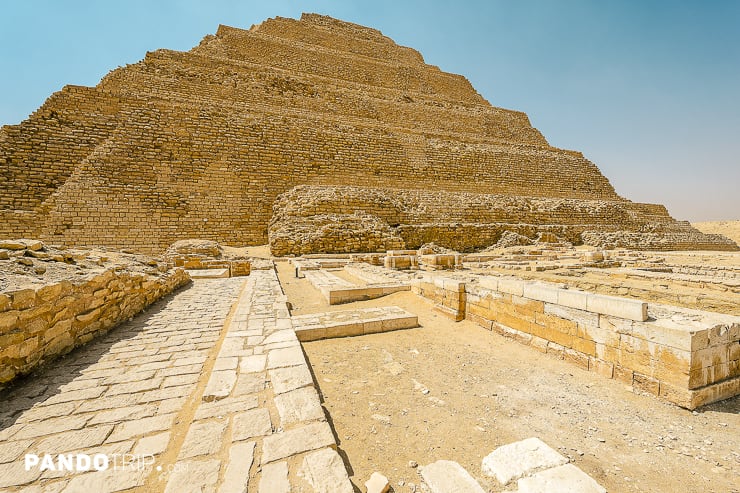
(208, 391)
(122, 394)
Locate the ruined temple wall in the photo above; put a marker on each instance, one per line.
(649, 347)
(38, 325)
(421, 206)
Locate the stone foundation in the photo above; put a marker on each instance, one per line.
(687, 357)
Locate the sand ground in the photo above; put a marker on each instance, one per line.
(456, 391)
(730, 229)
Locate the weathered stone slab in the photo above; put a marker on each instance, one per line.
(540, 292)
(562, 479)
(274, 478)
(236, 477)
(299, 405)
(110, 480)
(573, 298)
(287, 379)
(446, 476)
(295, 441)
(225, 407)
(617, 307)
(203, 439)
(219, 385)
(280, 358)
(518, 459)
(192, 475)
(325, 472)
(252, 423)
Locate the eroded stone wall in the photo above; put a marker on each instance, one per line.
(42, 323)
(467, 221)
(688, 357)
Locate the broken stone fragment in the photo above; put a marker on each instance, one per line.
(21, 244)
(519, 459)
(377, 483)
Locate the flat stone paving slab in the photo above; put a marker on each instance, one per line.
(522, 458)
(562, 479)
(445, 476)
(209, 382)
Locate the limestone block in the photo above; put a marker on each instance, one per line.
(519, 459)
(562, 479)
(236, 477)
(377, 483)
(325, 472)
(250, 424)
(446, 476)
(617, 307)
(287, 379)
(299, 405)
(279, 358)
(274, 478)
(310, 437)
(511, 286)
(541, 292)
(572, 298)
(580, 317)
(219, 385)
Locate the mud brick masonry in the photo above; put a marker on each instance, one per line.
(312, 134)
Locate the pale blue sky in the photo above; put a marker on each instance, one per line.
(649, 90)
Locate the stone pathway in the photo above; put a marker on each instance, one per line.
(121, 394)
(207, 391)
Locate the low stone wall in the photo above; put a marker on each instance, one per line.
(38, 325)
(448, 295)
(687, 357)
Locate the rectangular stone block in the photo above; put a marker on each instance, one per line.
(236, 477)
(310, 437)
(572, 298)
(601, 367)
(617, 307)
(646, 383)
(511, 286)
(299, 405)
(540, 292)
(489, 282)
(445, 476)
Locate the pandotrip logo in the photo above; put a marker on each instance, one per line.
(86, 462)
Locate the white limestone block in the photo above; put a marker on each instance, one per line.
(562, 479)
(446, 476)
(518, 459)
(540, 292)
(617, 307)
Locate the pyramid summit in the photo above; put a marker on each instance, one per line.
(315, 135)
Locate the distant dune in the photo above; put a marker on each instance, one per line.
(730, 229)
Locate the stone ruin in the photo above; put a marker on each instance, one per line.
(328, 141)
(316, 135)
